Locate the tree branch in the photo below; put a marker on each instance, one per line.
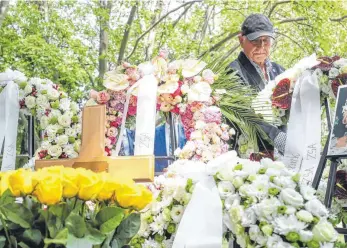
(4, 6)
(155, 24)
(275, 5)
(181, 15)
(220, 43)
(293, 20)
(338, 19)
(295, 42)
(126, 33)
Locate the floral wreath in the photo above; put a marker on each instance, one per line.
(58, 116)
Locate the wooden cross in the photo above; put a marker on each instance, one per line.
(92, 155)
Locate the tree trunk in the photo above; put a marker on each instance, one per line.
(152, 33)
(126, 33)
(4, 5)
(103, 45)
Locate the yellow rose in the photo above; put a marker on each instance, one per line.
(109, 188)
(49, 189)
(136, 196)
(57, 169)
(70, 182)
(4, 181)
(20, 182)
(89, 184)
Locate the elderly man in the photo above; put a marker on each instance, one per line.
(254, 67)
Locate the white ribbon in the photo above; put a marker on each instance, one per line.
(9, 113)
(146, 112)
(303, 145)
(202, 223)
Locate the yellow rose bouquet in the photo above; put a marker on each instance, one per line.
(59, 206)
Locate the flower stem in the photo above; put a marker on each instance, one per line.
(5, 228)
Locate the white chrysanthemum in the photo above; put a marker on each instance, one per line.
(284, 182)
(291, 197)
(286, 224)
(225, 189)
(150, 243)
(276, 241)
(248, 217)
(78, 127)
(52, 94)
(54, 113)
(326, 245)
(52, 129)
(250, 167)
(177, 213)
(70, 151)
(55, 151)
(158, 225)
(256, 235)
(30, 102)
(64, 120)
(232, 199)
(144, 229)
(307, 192)
(70, 132)
(62, 140)
(316, 208)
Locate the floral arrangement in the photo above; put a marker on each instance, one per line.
(265, 206)
(184, 89)
(331, 72)
(58, 116)
(58, 206)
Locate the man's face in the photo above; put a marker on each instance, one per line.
(257, 50)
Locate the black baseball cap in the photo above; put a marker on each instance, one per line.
(257, 25)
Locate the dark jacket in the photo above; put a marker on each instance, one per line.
(248, 73)
(250, 76)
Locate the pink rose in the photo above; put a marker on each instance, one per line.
(102, 97)
(112, 132)
(108, 143)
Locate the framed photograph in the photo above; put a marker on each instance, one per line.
(338, 138)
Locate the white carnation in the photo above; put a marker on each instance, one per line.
(64, 104)
(30, 102)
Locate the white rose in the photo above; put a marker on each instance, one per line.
(54, 113)
(42, 102)
(225, 188)
(315, 207)
(45, 145)
(64, 120)
(285, 182)
(62, 140)
(324, 232)
(64, 104)
(52, 130)
(28, 89)
(305, 236)
(290, 210)
(70, 152)
(307, 192)
(53, 94)
(237, 182)
(55, 151)
(291, 197)
(30, 102)
(304, 216)
(44, 122)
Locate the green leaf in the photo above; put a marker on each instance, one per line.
(23, 245)
(6, 198)
(2, 241)
(33, 236)
(129, 227)
(95, 236)
(60, 239)
(18, 214)
(109, 218)
(76, 225)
